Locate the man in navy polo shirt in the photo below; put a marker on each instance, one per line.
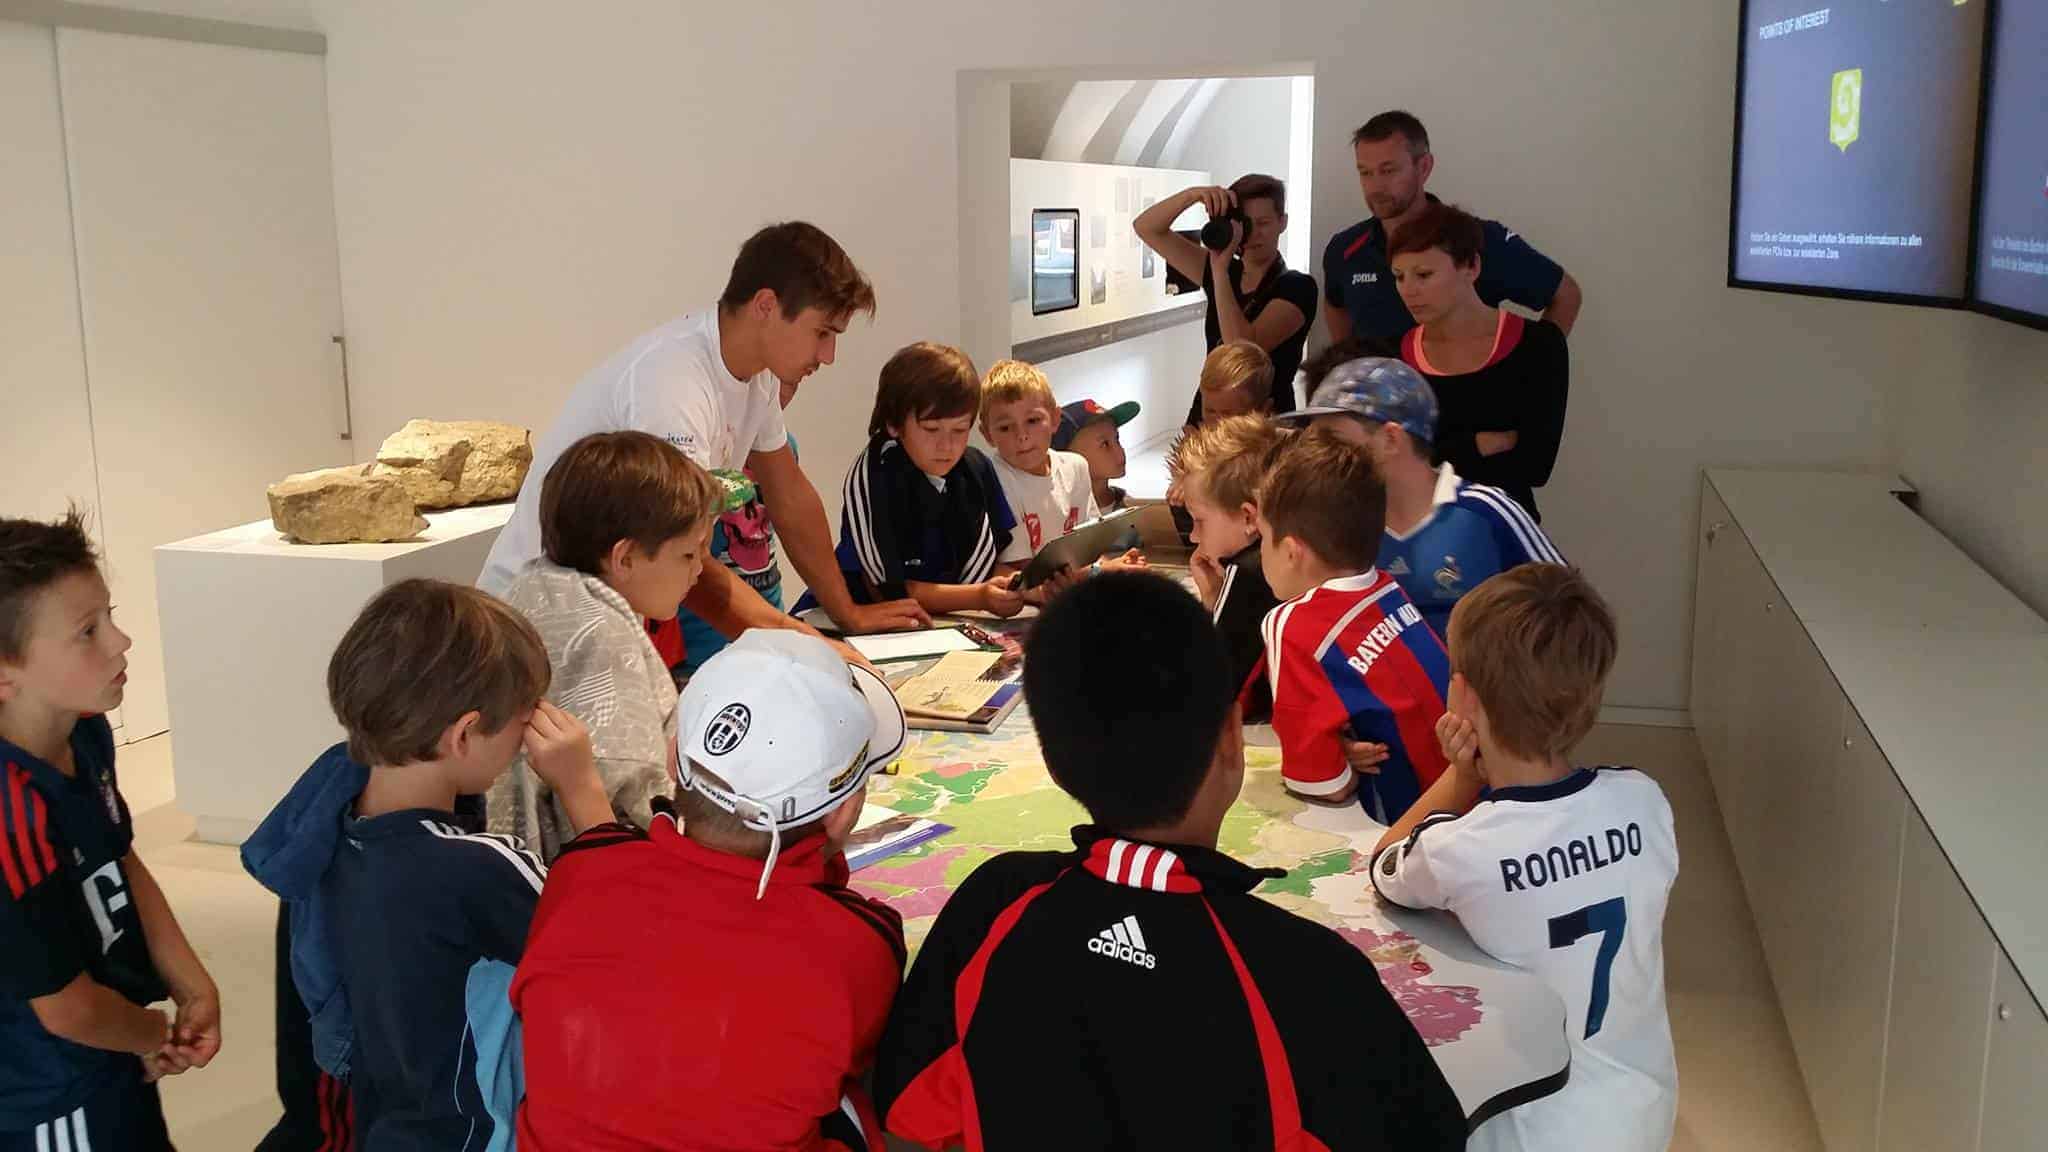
(1394, 163)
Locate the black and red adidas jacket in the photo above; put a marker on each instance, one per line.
(1129, 995)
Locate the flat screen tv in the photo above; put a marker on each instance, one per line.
(2012, 185)
(1855, 143)
(1055, 260)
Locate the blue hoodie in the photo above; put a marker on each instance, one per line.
(430, 1059)
(289, 854)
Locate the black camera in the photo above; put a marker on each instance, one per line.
(1216, 233)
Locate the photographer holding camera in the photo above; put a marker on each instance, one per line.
(1267, 302)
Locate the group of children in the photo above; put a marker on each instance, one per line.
(646, 938)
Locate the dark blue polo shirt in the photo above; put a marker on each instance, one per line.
(1358, 278)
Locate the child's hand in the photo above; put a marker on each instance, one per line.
(1058, 582)
(999, 597)
(195, 1034)
(1131, 561)
(558, 748)
(1208, 576)
(1364, 757)
(1460, 744)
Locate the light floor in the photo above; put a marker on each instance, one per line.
(1739, 1087)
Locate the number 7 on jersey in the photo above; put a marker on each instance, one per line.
(1610, 919)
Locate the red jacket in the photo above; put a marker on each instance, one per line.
(665, 1007)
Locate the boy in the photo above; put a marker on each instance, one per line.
(395, 905)
(1132, 992)
(1562, 873)
(723, 955)
(87, 940)
(1217, 469)
(1089, 430)
(624, 518)
(1348, 657)
(924, 515)
(1236, 380)
(1049, 491)
(1444, 536)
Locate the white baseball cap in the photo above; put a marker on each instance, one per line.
(792, 729)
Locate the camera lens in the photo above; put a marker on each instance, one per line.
(1216, 234)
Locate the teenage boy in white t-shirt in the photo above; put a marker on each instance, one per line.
(1049, 491)
(710, 383)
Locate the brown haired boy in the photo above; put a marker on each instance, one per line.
(924, 514)
(394, 901)
(625, 519)
(1348, 656)
(1562, 873)
(87, 940)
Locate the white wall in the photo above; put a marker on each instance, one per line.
(522, 187)
(1246, 130)
(1971, 431)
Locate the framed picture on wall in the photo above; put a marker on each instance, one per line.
(1055, 260)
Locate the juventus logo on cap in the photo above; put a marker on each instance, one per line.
(727, 729)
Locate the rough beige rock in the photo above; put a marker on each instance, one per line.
(452, 463)
(341, 505)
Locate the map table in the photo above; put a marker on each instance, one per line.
(1497, 1032)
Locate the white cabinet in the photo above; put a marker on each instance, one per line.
(1913, 1028)
(1942, 966)
(1854, 851)
(2016, 1074)
(169, 295)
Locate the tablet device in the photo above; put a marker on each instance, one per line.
(1081, 547)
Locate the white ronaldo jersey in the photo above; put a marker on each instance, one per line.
(1568, 881)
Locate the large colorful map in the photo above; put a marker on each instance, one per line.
(996, 794)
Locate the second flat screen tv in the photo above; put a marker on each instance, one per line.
(2012, 220)
(1055, 260)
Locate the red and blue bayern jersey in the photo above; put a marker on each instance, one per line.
(1353, 659)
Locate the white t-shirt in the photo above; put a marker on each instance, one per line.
(671, 382)
(1047, 507)
(1567, 881)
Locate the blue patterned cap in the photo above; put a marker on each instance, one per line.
(1378, 389)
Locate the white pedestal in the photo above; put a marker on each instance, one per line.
(249, 621)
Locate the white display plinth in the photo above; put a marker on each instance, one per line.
(249, 621)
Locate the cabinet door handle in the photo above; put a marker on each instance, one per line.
(348, 419)
(1714, 530)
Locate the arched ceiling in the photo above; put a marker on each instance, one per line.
(1142, 122)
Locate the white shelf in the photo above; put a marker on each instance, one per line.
(1946, 669)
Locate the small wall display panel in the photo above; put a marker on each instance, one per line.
(1055, 260)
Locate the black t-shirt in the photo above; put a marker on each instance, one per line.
(1241, 616)
(1281, 283)
(1521, 389)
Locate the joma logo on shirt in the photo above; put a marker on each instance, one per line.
(1382, 637)
(1365, 277)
